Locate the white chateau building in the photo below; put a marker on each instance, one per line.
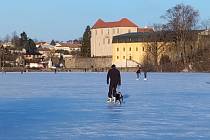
(102, 33)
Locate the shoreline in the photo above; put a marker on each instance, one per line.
(3, 72)
(68, 70)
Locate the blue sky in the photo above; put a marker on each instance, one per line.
(67, 19)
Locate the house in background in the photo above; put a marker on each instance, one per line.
(44, 51)
(68, 47)
(44, 45)
(132, 49)
(103, 32)
(34, 60)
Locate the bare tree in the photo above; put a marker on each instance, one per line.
(201, 60)
(181, 19)
(7, 38)
(205, 24)
(15, 39)
(153, 50)
(158, 43)
(158, 27)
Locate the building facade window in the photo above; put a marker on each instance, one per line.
(136, 49)
(143, 49)
(108, 32)
(130, 57)
(130, 49)
(123, 57)
(104, 41)
(169, 49)
(113, 31)
(149, 49)
(117, 49)
(129, 30)
(117, 57)
(124, 49)
(118, 30)
(96, 32)
(108, 41)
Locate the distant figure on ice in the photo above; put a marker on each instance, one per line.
(145, 73)
(138, 72)
(3, 70)
(115, 80)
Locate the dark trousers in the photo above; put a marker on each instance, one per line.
(112, 90)
(145, 74)
(138, 75)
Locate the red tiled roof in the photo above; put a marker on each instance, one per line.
(145, 30)
(124, 22)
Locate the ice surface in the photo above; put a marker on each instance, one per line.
(72, 106)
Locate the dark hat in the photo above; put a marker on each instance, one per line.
(113, 66)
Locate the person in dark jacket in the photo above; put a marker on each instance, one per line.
(138, 73)
(145, 73)
(113, 79)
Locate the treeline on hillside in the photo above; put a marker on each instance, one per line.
(191, 44)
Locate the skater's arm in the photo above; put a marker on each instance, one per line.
(107, 78)
(119, 83)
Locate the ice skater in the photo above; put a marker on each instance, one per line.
(145, 73)
(113, 80)
(138, 73)
(3, 70)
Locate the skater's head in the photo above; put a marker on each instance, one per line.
(113, 66)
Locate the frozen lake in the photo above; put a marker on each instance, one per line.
(72, 106)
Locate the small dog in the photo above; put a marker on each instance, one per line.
(119, 97)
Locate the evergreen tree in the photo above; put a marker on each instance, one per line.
(27, 44)
(53, 43)
(23, 40)
(85, 49)
(31, 47)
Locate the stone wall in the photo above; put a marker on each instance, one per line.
(12, 69)
(88, 63)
